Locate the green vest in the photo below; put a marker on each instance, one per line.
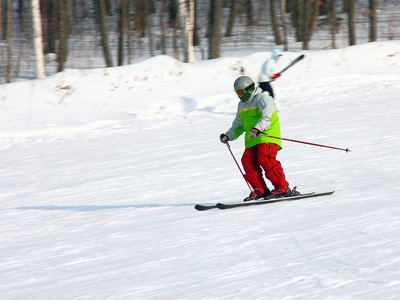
(250, 117)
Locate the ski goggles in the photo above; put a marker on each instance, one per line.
(241, 92)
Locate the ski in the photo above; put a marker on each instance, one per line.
(271, 200)
(205, 207)
(292, 63)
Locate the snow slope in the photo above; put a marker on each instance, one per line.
(101, 169)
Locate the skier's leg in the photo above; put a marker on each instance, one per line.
(270, 90)
(253, 171)
(266, 87)
(266, 156)
(262, 85)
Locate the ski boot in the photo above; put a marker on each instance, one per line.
(260, 193)
(280, 192)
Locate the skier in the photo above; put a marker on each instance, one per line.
(267, 74)
(257, 114)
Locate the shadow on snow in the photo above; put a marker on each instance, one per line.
(101, 207)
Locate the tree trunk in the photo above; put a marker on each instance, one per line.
(50, 11)
(299, 21)
(175, 38)
(283, 12)
(214, 44)
(190, 28)
(186, 17)
(162, 38)
(232, 17)
(314, 16)
(350, 20)
(20, 11)
(63, 34)
(129, 35)
(372, 20)
(149, 27)
(101, 9)
(249, 13)
(1, 36)
(306, 24)
(122, 26)
(1, 22)
(333, 23)
(9, 39)
(172, 13)
(141, 16)
(109, 11)
(196, 38)
(37, 39)
(275, 25)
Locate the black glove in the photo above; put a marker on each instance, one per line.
(223, 138)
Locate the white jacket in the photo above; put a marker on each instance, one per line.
(267, 69)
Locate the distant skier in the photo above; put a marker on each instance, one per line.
(257, 114)
(267, 74)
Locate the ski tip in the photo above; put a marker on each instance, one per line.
(204, 207)
(199, 207)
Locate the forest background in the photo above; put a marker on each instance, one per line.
(108, 33)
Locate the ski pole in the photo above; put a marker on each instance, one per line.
(229, 148)
(307, 143)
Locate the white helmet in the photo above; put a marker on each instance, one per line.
(242, 82)
(243, 87)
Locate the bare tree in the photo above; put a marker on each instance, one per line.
(37, 39)
(372, 20)
(249, 8)
(306, 23)
(311, 13)
(191, 29)
(300, 21)
(275, 25)
(196, 38)
(232, 17)
(9, 39)
(130, 34)
(315, 14)
(142, 10)
(174, 24)
(186, 16)
(162, 38)
(63, 32)
(214, 38)
(333, 22)
(122, 28)
(148, 25)
(283, 12)
(49, 10)
(140, 16)
(101, 12)
(350, 22)
(2, 22)
(1, 37)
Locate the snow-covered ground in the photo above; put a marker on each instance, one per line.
(101, 170)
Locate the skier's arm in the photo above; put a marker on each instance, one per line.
(236, 130)
(269, 68)
(267, 107)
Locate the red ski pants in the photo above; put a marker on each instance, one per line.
(263, 156)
